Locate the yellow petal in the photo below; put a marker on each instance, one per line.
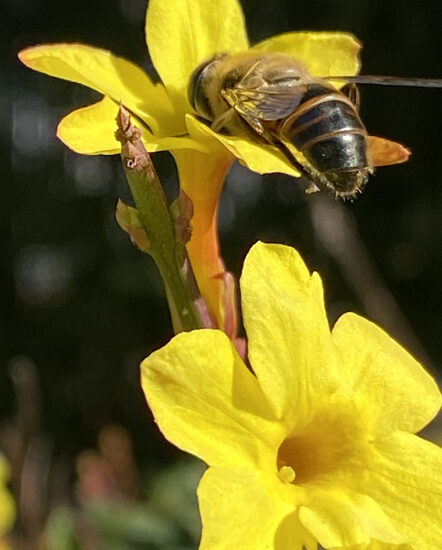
(338, 519)
(377, 545)
(113, 76)
(201, 178)
(406, 480)
(208, 403)
(391, 386)
(91, 131)
(259, 157)
(322, 53)
(181, 34)
(240, 509)
(290, 345)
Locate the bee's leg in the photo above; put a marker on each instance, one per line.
(352, 92)
(311, 188)
(315, 180)
(223, 120)
(233, 115)
(253, 121)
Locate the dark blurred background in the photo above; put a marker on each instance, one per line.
(80, 306)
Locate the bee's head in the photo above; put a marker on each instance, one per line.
(197, 92)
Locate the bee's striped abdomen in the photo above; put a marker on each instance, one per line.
(327, 129)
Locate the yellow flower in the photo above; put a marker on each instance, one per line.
(7, 508)
(180, 34)
(315, 443)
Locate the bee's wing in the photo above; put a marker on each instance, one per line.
(390, 80)
(269, 102)
(383, 152)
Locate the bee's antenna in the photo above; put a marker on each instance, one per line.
(391, 80)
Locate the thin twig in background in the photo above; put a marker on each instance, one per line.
(336, 231)
(29, 452)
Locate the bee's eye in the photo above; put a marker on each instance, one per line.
(196, 91)
(195, 83)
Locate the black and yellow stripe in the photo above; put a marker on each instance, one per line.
(327, 129)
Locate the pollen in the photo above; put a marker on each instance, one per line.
(287, 474)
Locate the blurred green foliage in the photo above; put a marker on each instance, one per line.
(167, 520)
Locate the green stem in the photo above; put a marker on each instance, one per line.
(169, 253)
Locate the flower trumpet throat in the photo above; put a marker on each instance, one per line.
(316, 444)
(332, 439)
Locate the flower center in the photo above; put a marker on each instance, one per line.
(328, 442)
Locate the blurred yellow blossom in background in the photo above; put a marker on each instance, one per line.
(7, 506)
(315, 443)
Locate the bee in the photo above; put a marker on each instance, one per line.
(272, 98)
